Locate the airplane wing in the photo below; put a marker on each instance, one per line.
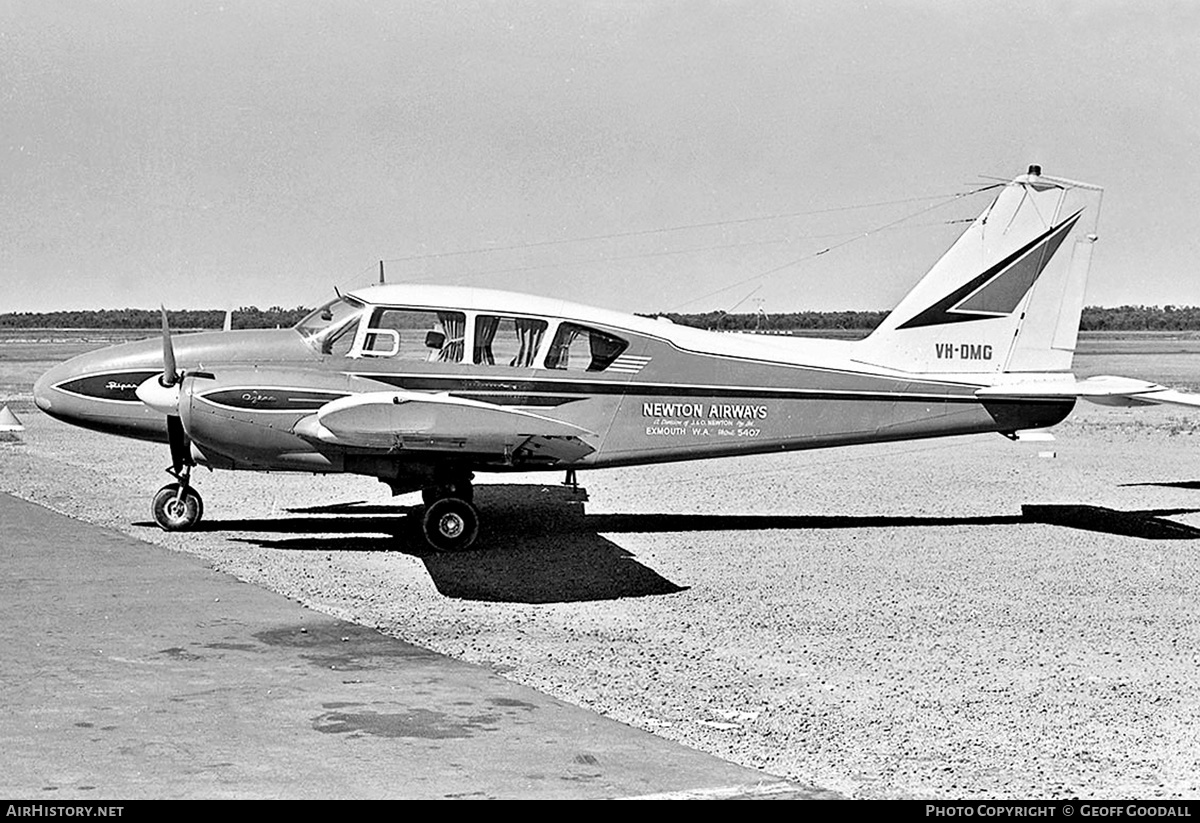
(1104, 391)
(417, 421)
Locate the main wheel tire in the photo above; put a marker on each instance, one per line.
(450, 524)
(174, 513)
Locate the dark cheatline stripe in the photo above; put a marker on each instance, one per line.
(120, 386)
(517, 399)
(581, 390)
(271, 398)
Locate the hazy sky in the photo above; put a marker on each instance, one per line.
(218, 154)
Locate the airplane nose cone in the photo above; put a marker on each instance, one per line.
(163, 399)
(41, 389)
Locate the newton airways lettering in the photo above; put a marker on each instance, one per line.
(715, 410)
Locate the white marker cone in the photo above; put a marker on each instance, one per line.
(9, 421)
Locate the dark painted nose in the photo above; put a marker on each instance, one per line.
(97, 390)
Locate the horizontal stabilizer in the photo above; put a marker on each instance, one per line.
(1033, 436)
(1105, 391)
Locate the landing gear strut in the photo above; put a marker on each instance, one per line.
(451, 522)
(457, 485)
(177, 506)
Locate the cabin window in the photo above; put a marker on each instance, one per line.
(508, 341)
(415, 335)
(579, 348)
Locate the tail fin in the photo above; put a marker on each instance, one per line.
(1008, 294)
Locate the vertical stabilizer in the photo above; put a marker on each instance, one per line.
(1008, 294)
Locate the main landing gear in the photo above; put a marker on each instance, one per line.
(177, 506)
(450, 522)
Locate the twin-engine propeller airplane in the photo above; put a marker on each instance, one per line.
(423, 386)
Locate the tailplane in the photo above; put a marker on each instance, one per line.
(1008, 294)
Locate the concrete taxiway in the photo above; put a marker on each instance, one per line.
(134, 672)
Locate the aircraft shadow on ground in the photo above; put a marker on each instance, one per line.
(538, 545)
(534, 546)
(1177, 484)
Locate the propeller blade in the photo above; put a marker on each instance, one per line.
(162, 393)
(170, 375)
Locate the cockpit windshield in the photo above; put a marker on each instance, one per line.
(330, 322)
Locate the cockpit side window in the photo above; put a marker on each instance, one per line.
(508, 341)
(332, 325)
(415, 334)
(341, 341)
(580, 348)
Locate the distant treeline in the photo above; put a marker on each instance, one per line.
(244, 318)
(1141, 318)
(1095, 318)
(815, 320)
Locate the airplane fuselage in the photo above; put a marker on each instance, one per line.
(673, 394)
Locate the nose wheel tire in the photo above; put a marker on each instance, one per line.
(450, 524)
(177, 507)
